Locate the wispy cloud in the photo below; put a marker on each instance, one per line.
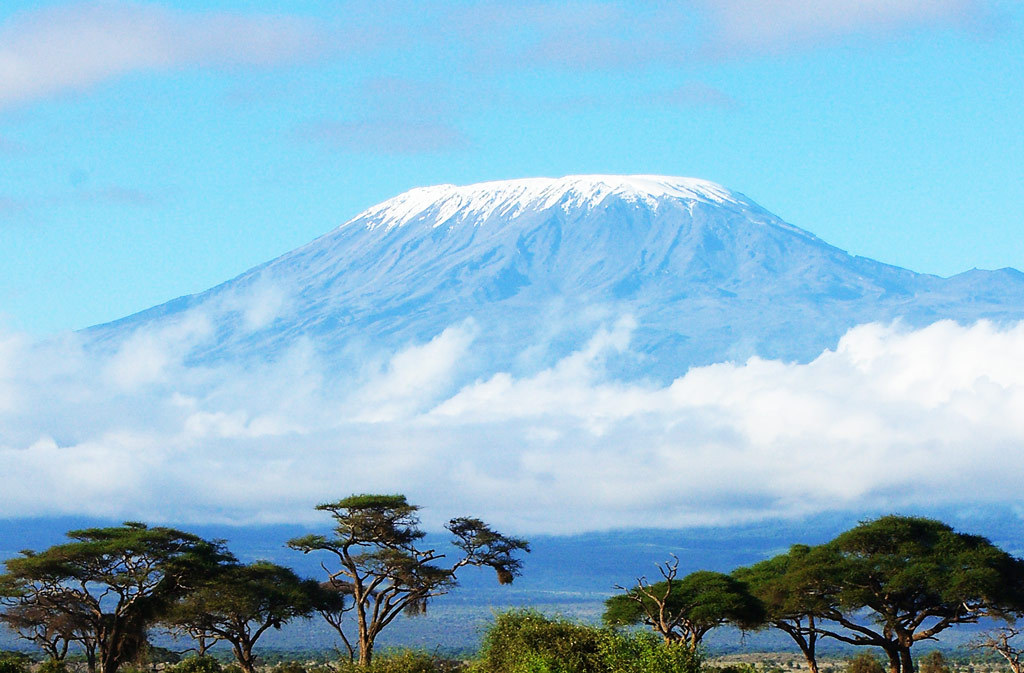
(892, 418)
(600, 34)
(74, 47)
(784, 24)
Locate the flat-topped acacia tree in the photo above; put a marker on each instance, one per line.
(683, 610)
(794, 596)
(898, 580)
(242, 602)
(383, 568)
(112, 584)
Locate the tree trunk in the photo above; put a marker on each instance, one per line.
(906, 660)
(90, 658)
(894, 660)
(365, 649)
(243, 653)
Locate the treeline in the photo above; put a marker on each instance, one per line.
(108, 587)
(888, 584)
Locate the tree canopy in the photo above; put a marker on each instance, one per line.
(684, 610)
(240, 603)
(112, 583)
(383, 567)
(792, 593)
(894, 581)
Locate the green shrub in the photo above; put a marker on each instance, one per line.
(864, 663)
(289, 667)
(525, 641)
(644, 652)
(733, 668)
(197, 665)
(933, 662)
(404, 661)
(9, 664)
(52, 666)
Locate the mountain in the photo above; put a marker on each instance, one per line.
(537, 265)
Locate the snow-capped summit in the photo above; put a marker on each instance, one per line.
(539, 265)
(508, 198)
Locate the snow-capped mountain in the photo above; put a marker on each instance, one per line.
(537, 265)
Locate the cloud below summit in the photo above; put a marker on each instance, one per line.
(892, 418)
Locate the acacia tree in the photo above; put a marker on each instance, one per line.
(794, 596)
(50, 620)
(240, 603)
(684, 610)
(912, 578)
(114, 583)
(382, 565)
(1006, 643)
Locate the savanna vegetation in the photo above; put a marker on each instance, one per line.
(882, 589)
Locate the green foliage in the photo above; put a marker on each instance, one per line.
(909, 564)
(405, 661)
(646, 653)
(204, 664)
(13, 665)
(732, 668)
(289, 667)
(789, 586)
(864, 663)
(525, 641)
(687, 608)
(934, 662)
(52, 666)
(383, 572)
(113, 583)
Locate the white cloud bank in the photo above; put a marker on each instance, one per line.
(68, 48)
(893, 418)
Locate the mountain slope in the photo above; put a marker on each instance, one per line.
(537, 265)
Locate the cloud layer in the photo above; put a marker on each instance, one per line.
(890, 419)
(74, 47)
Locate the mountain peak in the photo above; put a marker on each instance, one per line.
(483, 200)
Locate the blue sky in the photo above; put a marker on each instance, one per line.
(150, 150)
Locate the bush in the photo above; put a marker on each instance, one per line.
(525, 641)
(864, 663)
(197, 665)
(289, 667)
(404, 661)
(9, 664)
(52, 666)
(933, 662)
(645, 652)
(733, 668)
